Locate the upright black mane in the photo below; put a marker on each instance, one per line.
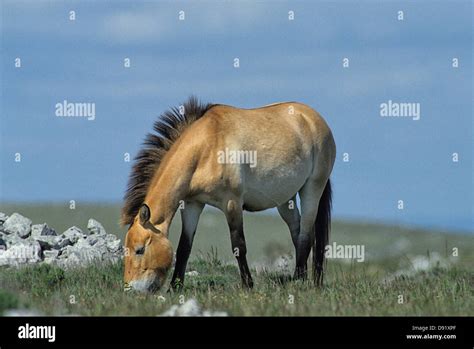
(169, 126)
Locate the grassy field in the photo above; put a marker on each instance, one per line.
(415, 264)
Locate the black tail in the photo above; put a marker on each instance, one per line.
(322, 226)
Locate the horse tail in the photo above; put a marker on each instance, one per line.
(322, 226)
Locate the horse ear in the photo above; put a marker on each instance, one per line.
(144, 214)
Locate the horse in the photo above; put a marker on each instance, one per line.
(199, 155)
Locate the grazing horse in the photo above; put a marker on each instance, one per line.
(233, 159)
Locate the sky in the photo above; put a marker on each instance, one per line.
(390, 158)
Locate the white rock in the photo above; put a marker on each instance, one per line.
(73, 248)
(13, 239)
(192, 273)
(74, 234)
(82, 243)
(101, 244)
(48, 242)
(64, 252)
(82, 255)
(114, 246)
(191, 308)
(95, 227)
(17, 224)
(42, 230)
(3, 217)
(92, 239)
(62, 242)
(52, 254)
(21, 254)
(71, 261)
(282, 264)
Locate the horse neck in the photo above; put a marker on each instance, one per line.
(169, 186)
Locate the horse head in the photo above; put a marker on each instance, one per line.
(148, 256)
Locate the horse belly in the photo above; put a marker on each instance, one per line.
(268, 187)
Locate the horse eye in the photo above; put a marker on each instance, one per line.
(140, 250)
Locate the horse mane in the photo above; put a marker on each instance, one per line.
(168, 127)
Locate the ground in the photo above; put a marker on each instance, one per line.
(405, 272)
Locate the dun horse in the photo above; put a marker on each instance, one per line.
(197, 157)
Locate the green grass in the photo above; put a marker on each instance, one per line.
(97, 290)
(351, 288)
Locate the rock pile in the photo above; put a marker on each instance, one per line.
(22, 243)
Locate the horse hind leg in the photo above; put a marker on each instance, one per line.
(291, 215)
(310, 195)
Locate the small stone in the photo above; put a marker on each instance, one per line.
(42, 230)
(52, 254)
(191, 308)
(74, 234)
(21, 254)
(85, 253)
(95, 227)
(3, 217)
(92, 239)
(192, 273)
(13, 239)
(64, 252)
(101, 244)
(69, 262)
(50, 261)
(82, 243)
(17, 224)
(62, 242)
(48, 242)
(114, 246)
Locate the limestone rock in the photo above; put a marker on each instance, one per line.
(17, 224)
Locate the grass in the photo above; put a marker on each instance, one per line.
(97, 290)
(351, 288)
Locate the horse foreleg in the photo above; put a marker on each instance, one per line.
(189, 220)
(234, 217)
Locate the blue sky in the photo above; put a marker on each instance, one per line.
(300, 60)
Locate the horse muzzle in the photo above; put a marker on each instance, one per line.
(144, 286)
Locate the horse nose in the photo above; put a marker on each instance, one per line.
(127, 287)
